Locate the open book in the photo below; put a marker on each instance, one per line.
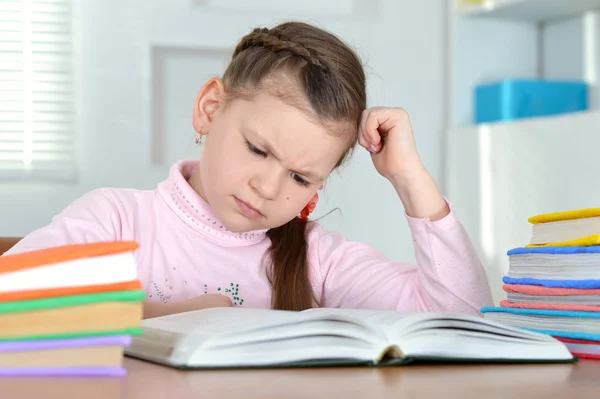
(236, 337)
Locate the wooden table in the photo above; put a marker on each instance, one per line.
(146, 380)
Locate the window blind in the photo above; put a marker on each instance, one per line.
(36, 90)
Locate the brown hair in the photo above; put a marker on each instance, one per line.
(333, 81)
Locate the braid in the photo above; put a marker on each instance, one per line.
(263, 37)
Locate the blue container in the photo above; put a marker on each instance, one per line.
(515, 99)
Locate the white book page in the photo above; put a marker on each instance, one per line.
(304, 349)
(204, 336)
(564, 230)
(173, 338)
(380, 319)
(399, 326)
(383, 322)
(228, 326)
(470, 337)
(417, 323)
(217, 321)
(109, 269)
(464, 344)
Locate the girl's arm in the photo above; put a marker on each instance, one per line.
(96, 217)
(449, 276)
(157, 309)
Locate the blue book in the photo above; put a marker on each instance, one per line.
(581, 284)
(558, 323)
(555, 250)
(555, 267)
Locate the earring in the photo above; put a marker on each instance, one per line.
(199, 138)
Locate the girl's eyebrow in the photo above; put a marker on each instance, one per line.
(269, 149)
(310, 175)
(305, 173)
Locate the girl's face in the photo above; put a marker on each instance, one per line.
(263, 159)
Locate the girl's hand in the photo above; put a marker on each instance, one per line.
(155, 309)
(204, 302)
(387, 134)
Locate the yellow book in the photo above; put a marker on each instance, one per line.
(578, 242)
(565, 215)
(471, 2)
(578, 227)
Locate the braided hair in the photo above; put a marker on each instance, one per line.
(277, 42)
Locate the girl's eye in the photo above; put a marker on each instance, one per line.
(298, 179)
(255, 150)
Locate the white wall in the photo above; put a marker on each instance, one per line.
(485, 50)
(571, 50)
(563, 49)
(142, 62)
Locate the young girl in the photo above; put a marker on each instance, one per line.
(231, 229)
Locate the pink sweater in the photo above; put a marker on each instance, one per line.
(185, 252)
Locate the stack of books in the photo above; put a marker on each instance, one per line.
(69, 310)
(553, 283)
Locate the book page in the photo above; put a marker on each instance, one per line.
(235, 325)
(456, 336)
(320, 349)
(379, 319)
(467, 344)
(217, 321)
(109, 269)
(400, 325)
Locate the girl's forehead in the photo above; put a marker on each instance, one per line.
(272, 111)
(286, 91)
(289, 133)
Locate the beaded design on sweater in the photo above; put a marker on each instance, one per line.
(217, 228)
(198, 214)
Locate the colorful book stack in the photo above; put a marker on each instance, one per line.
(69, 310)
(553, 283)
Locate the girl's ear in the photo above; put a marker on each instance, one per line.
(209, 99)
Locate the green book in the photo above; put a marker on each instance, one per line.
(125, 331)
(251, 338)
(71, 300)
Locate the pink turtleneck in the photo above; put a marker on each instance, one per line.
(185, 252)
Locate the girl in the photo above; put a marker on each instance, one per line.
(232, 228)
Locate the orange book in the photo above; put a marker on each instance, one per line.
(91, 267)
(64, 253)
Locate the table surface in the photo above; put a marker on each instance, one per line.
(147, 380)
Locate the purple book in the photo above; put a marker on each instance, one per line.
(64, 371)
(22, 346)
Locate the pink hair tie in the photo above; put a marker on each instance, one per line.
(312, 204)
(309, 207)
